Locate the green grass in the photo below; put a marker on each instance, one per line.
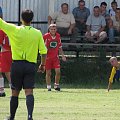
(69, 104)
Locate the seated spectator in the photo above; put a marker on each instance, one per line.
(114, 26)
(114, 6)
(104, 12)
(64, 20)
(95, 26)
(81, 14)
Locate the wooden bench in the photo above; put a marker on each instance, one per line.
(82, 39)
(91, 47)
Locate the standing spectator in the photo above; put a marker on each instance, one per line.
(114, 26)
(25, 42)
(5, 61)
(64, 20)
(95, 26)
(81, 14)
(114, 6)
(54, 46)
(1, 13)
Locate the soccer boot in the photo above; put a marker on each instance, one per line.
(49, 89)
(2, 94)
(56, 87)
(8, 118)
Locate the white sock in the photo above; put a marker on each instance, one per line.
(1, 85)
(56, 84)
(48, 86)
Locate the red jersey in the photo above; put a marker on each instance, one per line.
(4, 41)
(53, 44)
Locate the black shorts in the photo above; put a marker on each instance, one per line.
(22, 75)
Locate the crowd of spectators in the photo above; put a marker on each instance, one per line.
(100, 25)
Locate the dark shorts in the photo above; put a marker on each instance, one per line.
(117, 76)
(22, 75)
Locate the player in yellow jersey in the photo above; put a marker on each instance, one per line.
(25, 42)
(115, 73)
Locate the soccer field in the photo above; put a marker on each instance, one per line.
(69, 104)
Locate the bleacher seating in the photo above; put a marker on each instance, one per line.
(83, 45)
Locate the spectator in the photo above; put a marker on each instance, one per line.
(54, 46)
(114, 26)
(64, 20)
(114, 6)
(104, 12)
(95, 26)
(81, 14)
(1, 13)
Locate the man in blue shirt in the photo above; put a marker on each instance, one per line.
(81, 14)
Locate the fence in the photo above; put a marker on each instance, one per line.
(90, 68)
(12, 10)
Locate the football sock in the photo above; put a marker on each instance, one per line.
(13, 106)
(56, 84)
(48, 86)
(30, 105)
(2, 85)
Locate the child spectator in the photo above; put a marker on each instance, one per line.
(114, 6)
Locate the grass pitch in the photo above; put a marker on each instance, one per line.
(69, 104)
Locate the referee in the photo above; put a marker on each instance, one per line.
(25, 42)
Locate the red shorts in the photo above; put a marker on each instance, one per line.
(52, 63)
(5, 61)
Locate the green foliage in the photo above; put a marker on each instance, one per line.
(85, 71)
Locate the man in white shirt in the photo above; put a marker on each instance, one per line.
(95, 26)
(64, 20)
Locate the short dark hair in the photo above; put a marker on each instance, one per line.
(81, 1)
(103, 3)
(64, 4)
(114, 2)
(27, 15)
(96, 7)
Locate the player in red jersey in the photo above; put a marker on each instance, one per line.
(5, 60)
(53, 43)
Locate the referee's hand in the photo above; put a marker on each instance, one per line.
(41, 68)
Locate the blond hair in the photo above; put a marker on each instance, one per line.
(113, 58)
